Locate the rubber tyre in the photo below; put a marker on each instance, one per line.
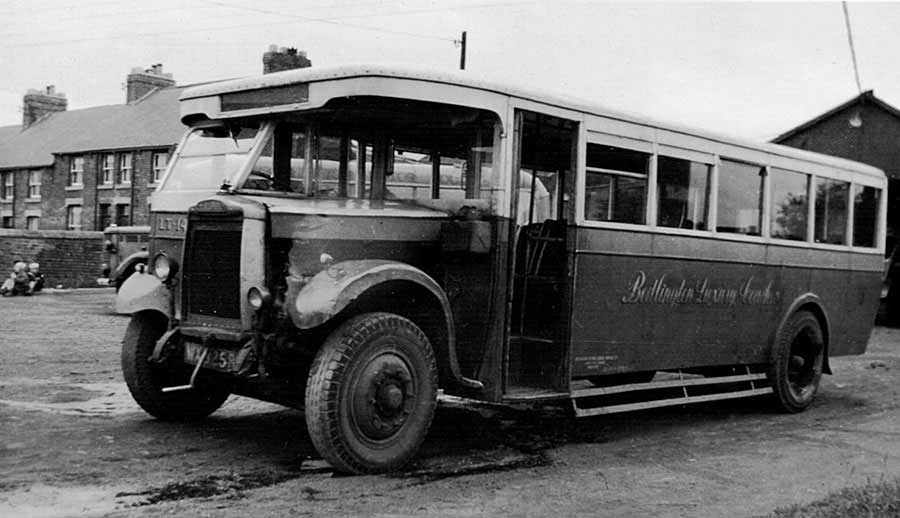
(799, 356)
(371, 393)
(145, 380)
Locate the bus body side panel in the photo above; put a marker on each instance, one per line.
(650, 302)
(851, 305)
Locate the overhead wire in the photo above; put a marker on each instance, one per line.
(333, 20)
(852, 47)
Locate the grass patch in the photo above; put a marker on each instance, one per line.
(873, 500)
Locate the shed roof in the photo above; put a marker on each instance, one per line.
(152, 121)
(867, 97)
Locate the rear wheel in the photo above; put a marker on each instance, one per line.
(146, 379)
(798, 362)
(371, 393)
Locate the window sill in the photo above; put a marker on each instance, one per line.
(75, 187)
(106, 186)
(36, 199)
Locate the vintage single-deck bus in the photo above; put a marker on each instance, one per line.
(351, 241)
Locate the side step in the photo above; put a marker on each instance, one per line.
(655, 394)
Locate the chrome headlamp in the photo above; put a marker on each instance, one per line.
(164, 267)
(258, 298)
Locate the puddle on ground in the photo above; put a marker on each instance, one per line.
(97, 399)
(85, 399)
(52, 502)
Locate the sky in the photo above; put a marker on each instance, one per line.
(751, 69)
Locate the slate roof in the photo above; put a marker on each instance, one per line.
(8, 132)
(152, 121)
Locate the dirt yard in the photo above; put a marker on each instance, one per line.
(73, 443)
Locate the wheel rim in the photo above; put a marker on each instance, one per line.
(804, 364)
(384, 397)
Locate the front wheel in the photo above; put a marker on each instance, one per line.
(799, 356)
(371, 393)
(146, 379)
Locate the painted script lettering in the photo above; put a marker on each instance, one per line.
(661, 290)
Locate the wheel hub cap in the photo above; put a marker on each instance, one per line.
(384, 396)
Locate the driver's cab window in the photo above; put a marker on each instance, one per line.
(300, 160)
(460, 168)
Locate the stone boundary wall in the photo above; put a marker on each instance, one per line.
(69, 258)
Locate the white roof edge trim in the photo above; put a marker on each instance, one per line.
(465, 80)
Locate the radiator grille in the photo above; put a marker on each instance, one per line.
(212, 269)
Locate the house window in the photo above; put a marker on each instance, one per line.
(124, 175)
(123, 215)
(32, 222)
(159, 166)
(76, 171)
(104, 218)
(34, 184)
(106, 172)
(8, 222)
(7, 186)
(73, 217)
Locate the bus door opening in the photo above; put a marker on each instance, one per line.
(546, 154)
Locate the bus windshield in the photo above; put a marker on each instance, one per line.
(211, 157)
(416, 153)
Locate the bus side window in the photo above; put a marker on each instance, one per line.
(740, 198)
(789, 205)
(683, 193)
(831, 211)
(865, 215)
(616, 184)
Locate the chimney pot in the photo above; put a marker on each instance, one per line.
(141, 81)
(277, 59)
(37, 104)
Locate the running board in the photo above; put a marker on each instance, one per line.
(747, 388)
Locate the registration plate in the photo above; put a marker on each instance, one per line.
(218, 359)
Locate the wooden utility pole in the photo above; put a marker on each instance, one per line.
(462, 52)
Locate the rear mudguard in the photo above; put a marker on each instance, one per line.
(814, 303)
(142, 291)
(329, 292)
(129, 262)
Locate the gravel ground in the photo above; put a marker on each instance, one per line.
(73, 443)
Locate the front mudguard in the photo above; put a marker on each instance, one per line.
(129, 263)
(330, 291)
(316, 301)
(142, 291)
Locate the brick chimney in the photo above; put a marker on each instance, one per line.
(39, 103)
(277, 59)
(140, 81)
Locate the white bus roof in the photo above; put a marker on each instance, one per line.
(466, 80)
